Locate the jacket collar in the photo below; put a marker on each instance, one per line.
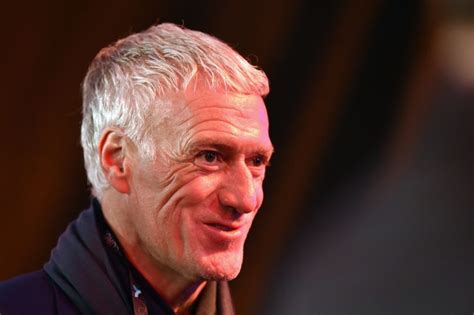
(88, 265)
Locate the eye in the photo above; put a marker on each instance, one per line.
(208, 158)
(259, 160)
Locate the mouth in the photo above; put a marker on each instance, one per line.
(222, 227)
(223, 231)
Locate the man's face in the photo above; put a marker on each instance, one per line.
(193, 206)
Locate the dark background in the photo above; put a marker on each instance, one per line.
(369, 198)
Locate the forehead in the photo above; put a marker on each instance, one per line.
(204, 115)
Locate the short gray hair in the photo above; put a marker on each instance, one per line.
(126, 81)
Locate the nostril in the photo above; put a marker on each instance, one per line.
(229, 208)
(236, 214)
(232, 213)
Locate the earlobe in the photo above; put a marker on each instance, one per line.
(113, 159)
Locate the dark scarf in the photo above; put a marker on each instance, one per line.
(88, 266)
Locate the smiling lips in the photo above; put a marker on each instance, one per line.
(223, 227)
(224, 231)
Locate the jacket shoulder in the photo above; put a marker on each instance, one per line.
(33, 293)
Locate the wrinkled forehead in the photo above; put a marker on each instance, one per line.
(202, 114)
(200, 105)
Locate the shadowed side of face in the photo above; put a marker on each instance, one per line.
(194, 204)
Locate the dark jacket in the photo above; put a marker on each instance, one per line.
(34, 293)
(88, 274)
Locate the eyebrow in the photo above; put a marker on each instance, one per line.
(225, 147)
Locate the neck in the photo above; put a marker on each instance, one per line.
(178, 291)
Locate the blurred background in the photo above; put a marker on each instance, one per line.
(369, 198)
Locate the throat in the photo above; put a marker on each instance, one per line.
(183, 304)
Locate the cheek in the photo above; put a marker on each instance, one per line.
(260, 194)
(198, 189)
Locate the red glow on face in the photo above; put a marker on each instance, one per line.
(197, 200)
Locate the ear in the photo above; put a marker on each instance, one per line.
(113, 159)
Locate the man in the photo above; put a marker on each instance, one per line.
(175, 138)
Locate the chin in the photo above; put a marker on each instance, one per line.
(219, 268)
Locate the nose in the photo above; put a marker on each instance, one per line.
(240, 191)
